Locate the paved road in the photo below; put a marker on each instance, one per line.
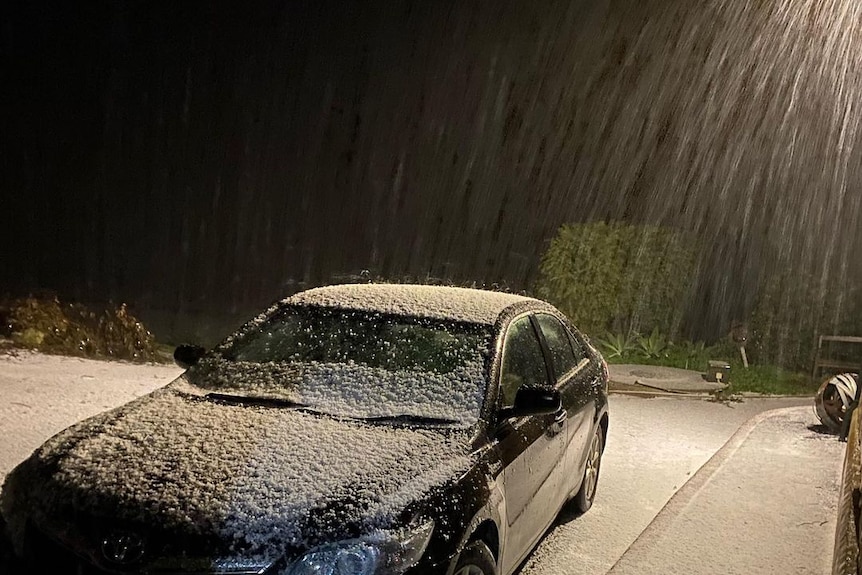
(654, 446)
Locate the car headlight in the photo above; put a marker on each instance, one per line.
(379, 554)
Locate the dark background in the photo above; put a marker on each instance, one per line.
(200, 159)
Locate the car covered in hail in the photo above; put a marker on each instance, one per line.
(353, 429)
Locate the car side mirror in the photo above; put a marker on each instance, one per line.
(187, 355)
(530, 400)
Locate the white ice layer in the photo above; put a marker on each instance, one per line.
(256, 476)
(351, 390)
(440, 302)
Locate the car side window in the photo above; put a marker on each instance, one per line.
(523, 362)
(579, 346)
(556, 336)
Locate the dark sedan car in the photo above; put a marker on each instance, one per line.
(353, 430)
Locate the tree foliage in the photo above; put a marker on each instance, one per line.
(619, 278)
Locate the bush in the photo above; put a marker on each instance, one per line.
(655, 345)
(618, 278)
(656, 349)
(617, 346)
(47, 325)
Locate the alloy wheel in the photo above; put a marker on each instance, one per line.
(592, 475)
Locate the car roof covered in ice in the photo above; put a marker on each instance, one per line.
(438, 302)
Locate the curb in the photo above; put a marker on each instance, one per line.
(656, 393)
(640, 388)
(653, 391)
(701, 395)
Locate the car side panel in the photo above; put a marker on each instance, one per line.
(597, 389)
(576, 389)
(581, 409)
(530, 450)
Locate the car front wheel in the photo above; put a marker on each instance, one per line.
(587, 493)
(476, 559)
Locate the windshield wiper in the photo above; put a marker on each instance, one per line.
(247, 400)
(411, 418)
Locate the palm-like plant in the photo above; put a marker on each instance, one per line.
(616, 345)
(654, 345)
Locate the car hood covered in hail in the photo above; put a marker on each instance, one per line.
(262, 479)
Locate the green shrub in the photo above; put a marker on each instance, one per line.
(618, 278)
(654, 345)
(47, 325)
(657, 349)
(616, 346)
(695, 354)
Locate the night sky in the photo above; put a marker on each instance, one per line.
(202, 159)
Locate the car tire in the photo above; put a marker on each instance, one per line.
(476, 559)
(587, 493)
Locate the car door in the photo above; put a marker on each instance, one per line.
(573, 375)
(529, 446)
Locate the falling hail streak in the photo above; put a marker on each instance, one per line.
(758, 104)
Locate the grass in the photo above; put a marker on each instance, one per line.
(771, 380)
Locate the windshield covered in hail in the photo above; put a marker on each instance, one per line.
(353, 364)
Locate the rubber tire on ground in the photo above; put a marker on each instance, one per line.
(584, 500)
(476, 556)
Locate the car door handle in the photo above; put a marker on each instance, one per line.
(560, 419)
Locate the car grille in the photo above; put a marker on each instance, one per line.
(43, 555)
